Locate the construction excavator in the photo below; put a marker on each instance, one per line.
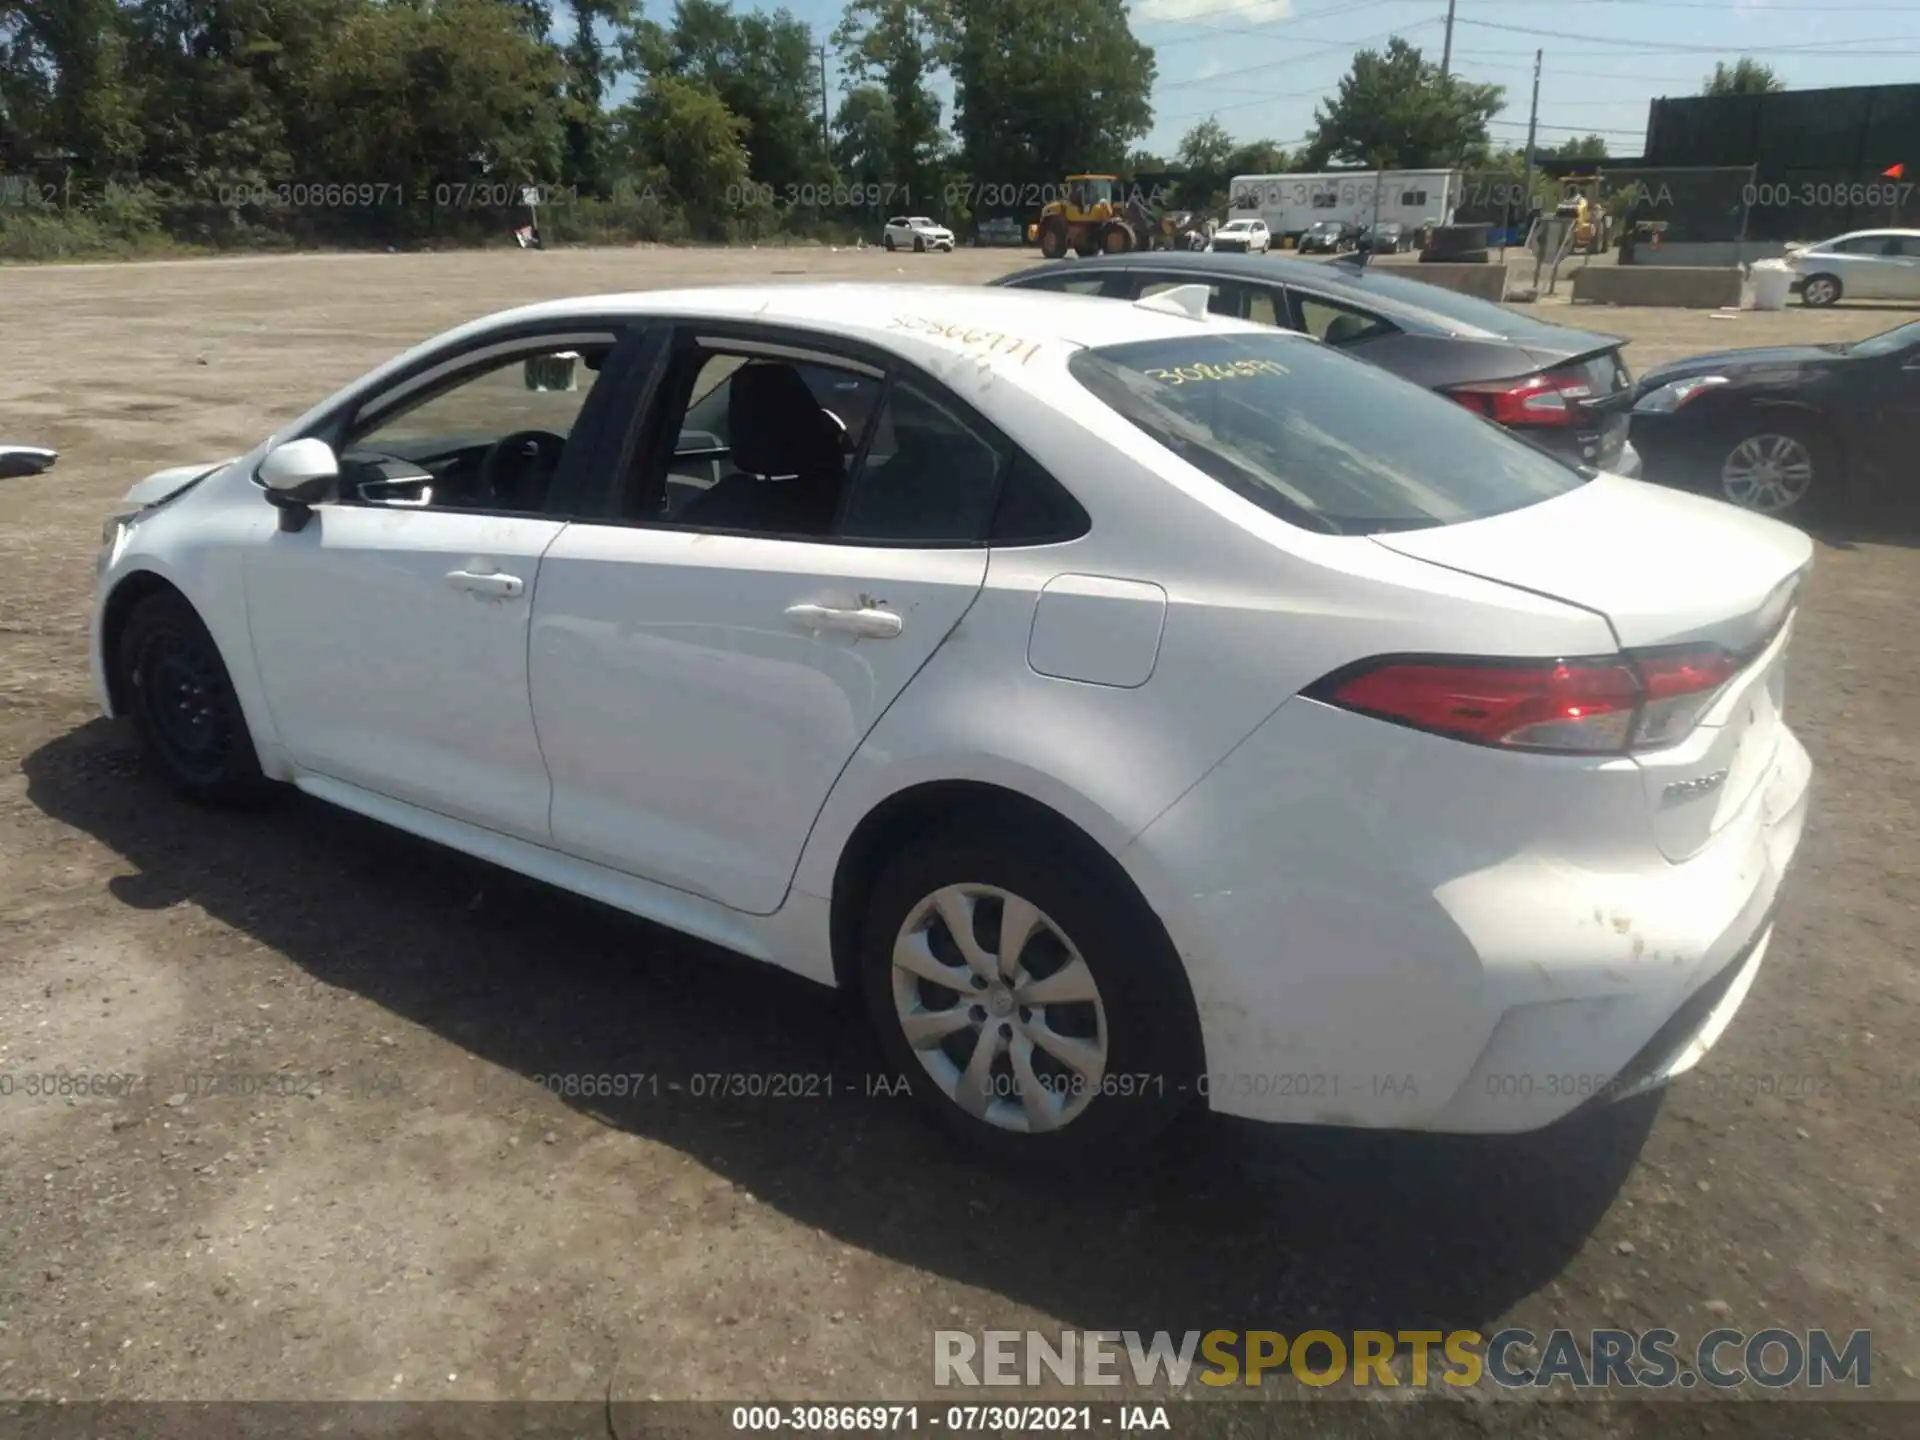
(1097, 215)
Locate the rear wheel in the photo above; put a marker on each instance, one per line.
(1028, 997)
(183, 704)
(1116, 240)
(1821, 290)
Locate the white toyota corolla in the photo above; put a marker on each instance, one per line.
(1140, 707)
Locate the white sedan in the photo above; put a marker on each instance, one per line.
(915, 232)
(1141, 708)
(1863, 265)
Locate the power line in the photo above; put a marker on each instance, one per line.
(1328, 49)
(1720, 50)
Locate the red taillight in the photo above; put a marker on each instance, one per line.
(1548, 399)
(1596, 707)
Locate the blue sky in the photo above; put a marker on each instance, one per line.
(1259, 66)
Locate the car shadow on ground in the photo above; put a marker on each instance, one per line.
(1231, 1225)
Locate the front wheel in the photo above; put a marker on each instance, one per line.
(1778, 466)
(1820, 291)
(1028, 998)
(183, 704)
(919, 245)
(887, 240)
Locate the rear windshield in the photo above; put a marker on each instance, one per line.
(1451, 305)
(1318, 438)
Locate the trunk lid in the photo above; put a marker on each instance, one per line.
(1664, 568)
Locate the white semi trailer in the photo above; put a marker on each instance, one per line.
(1291, 203)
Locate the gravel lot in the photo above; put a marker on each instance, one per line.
(408, 1213)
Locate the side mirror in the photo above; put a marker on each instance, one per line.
(298, 476)
(552, 372)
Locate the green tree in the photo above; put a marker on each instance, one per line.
(1039, 89)
(1258, 157)
(764, 68)
(1396, 111)
(863, 136)
(680, 137)
(592, 55)
(1586, 147)
(1746, 76)
(896, 46)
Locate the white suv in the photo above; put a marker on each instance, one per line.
(1250, 236)
(916, 232)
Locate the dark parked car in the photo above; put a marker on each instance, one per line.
(1786, 428)
(1384, 239)
(25, 460)
(1328, 237)
(1568, 390)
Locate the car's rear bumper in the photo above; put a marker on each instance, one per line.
(1389, 929)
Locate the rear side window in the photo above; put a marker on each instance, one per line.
(929, 475)
(1317, 438)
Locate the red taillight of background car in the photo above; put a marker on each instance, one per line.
(1545, 399)
(1580, 707)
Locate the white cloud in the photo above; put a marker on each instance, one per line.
(1224, 12)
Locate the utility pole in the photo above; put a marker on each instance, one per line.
(1533, 124)
(1446, 50)
(826, 135)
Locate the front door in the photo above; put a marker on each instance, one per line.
(707, 661)
(391, 632)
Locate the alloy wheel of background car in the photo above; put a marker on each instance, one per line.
(1768, 473)
(1820, 290)
(1000, 1008)
(919, 245)
(887, 240)
(184, 706)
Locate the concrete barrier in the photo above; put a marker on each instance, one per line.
(1488, 281)
(1681, 287)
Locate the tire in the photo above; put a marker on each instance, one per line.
(183, 705)
(1116, 240)
(1140, 1021)
(1777, 464)
(1053, 239)
(919, 245)
(1820, 291)
(887, 240)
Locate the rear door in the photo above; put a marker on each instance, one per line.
(699, 686)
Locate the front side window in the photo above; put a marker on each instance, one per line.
(1320, 440)
(489, 439)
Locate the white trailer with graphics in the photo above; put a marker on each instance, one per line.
(1291, 203)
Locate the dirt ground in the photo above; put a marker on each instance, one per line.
(385, 1201)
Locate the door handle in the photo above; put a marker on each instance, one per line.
(872, 622)
(503, 587)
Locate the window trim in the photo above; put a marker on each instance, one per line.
(678, 335)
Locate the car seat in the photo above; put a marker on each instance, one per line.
(789, 459)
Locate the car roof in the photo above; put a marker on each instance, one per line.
(1409, 302)
(929, 324)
